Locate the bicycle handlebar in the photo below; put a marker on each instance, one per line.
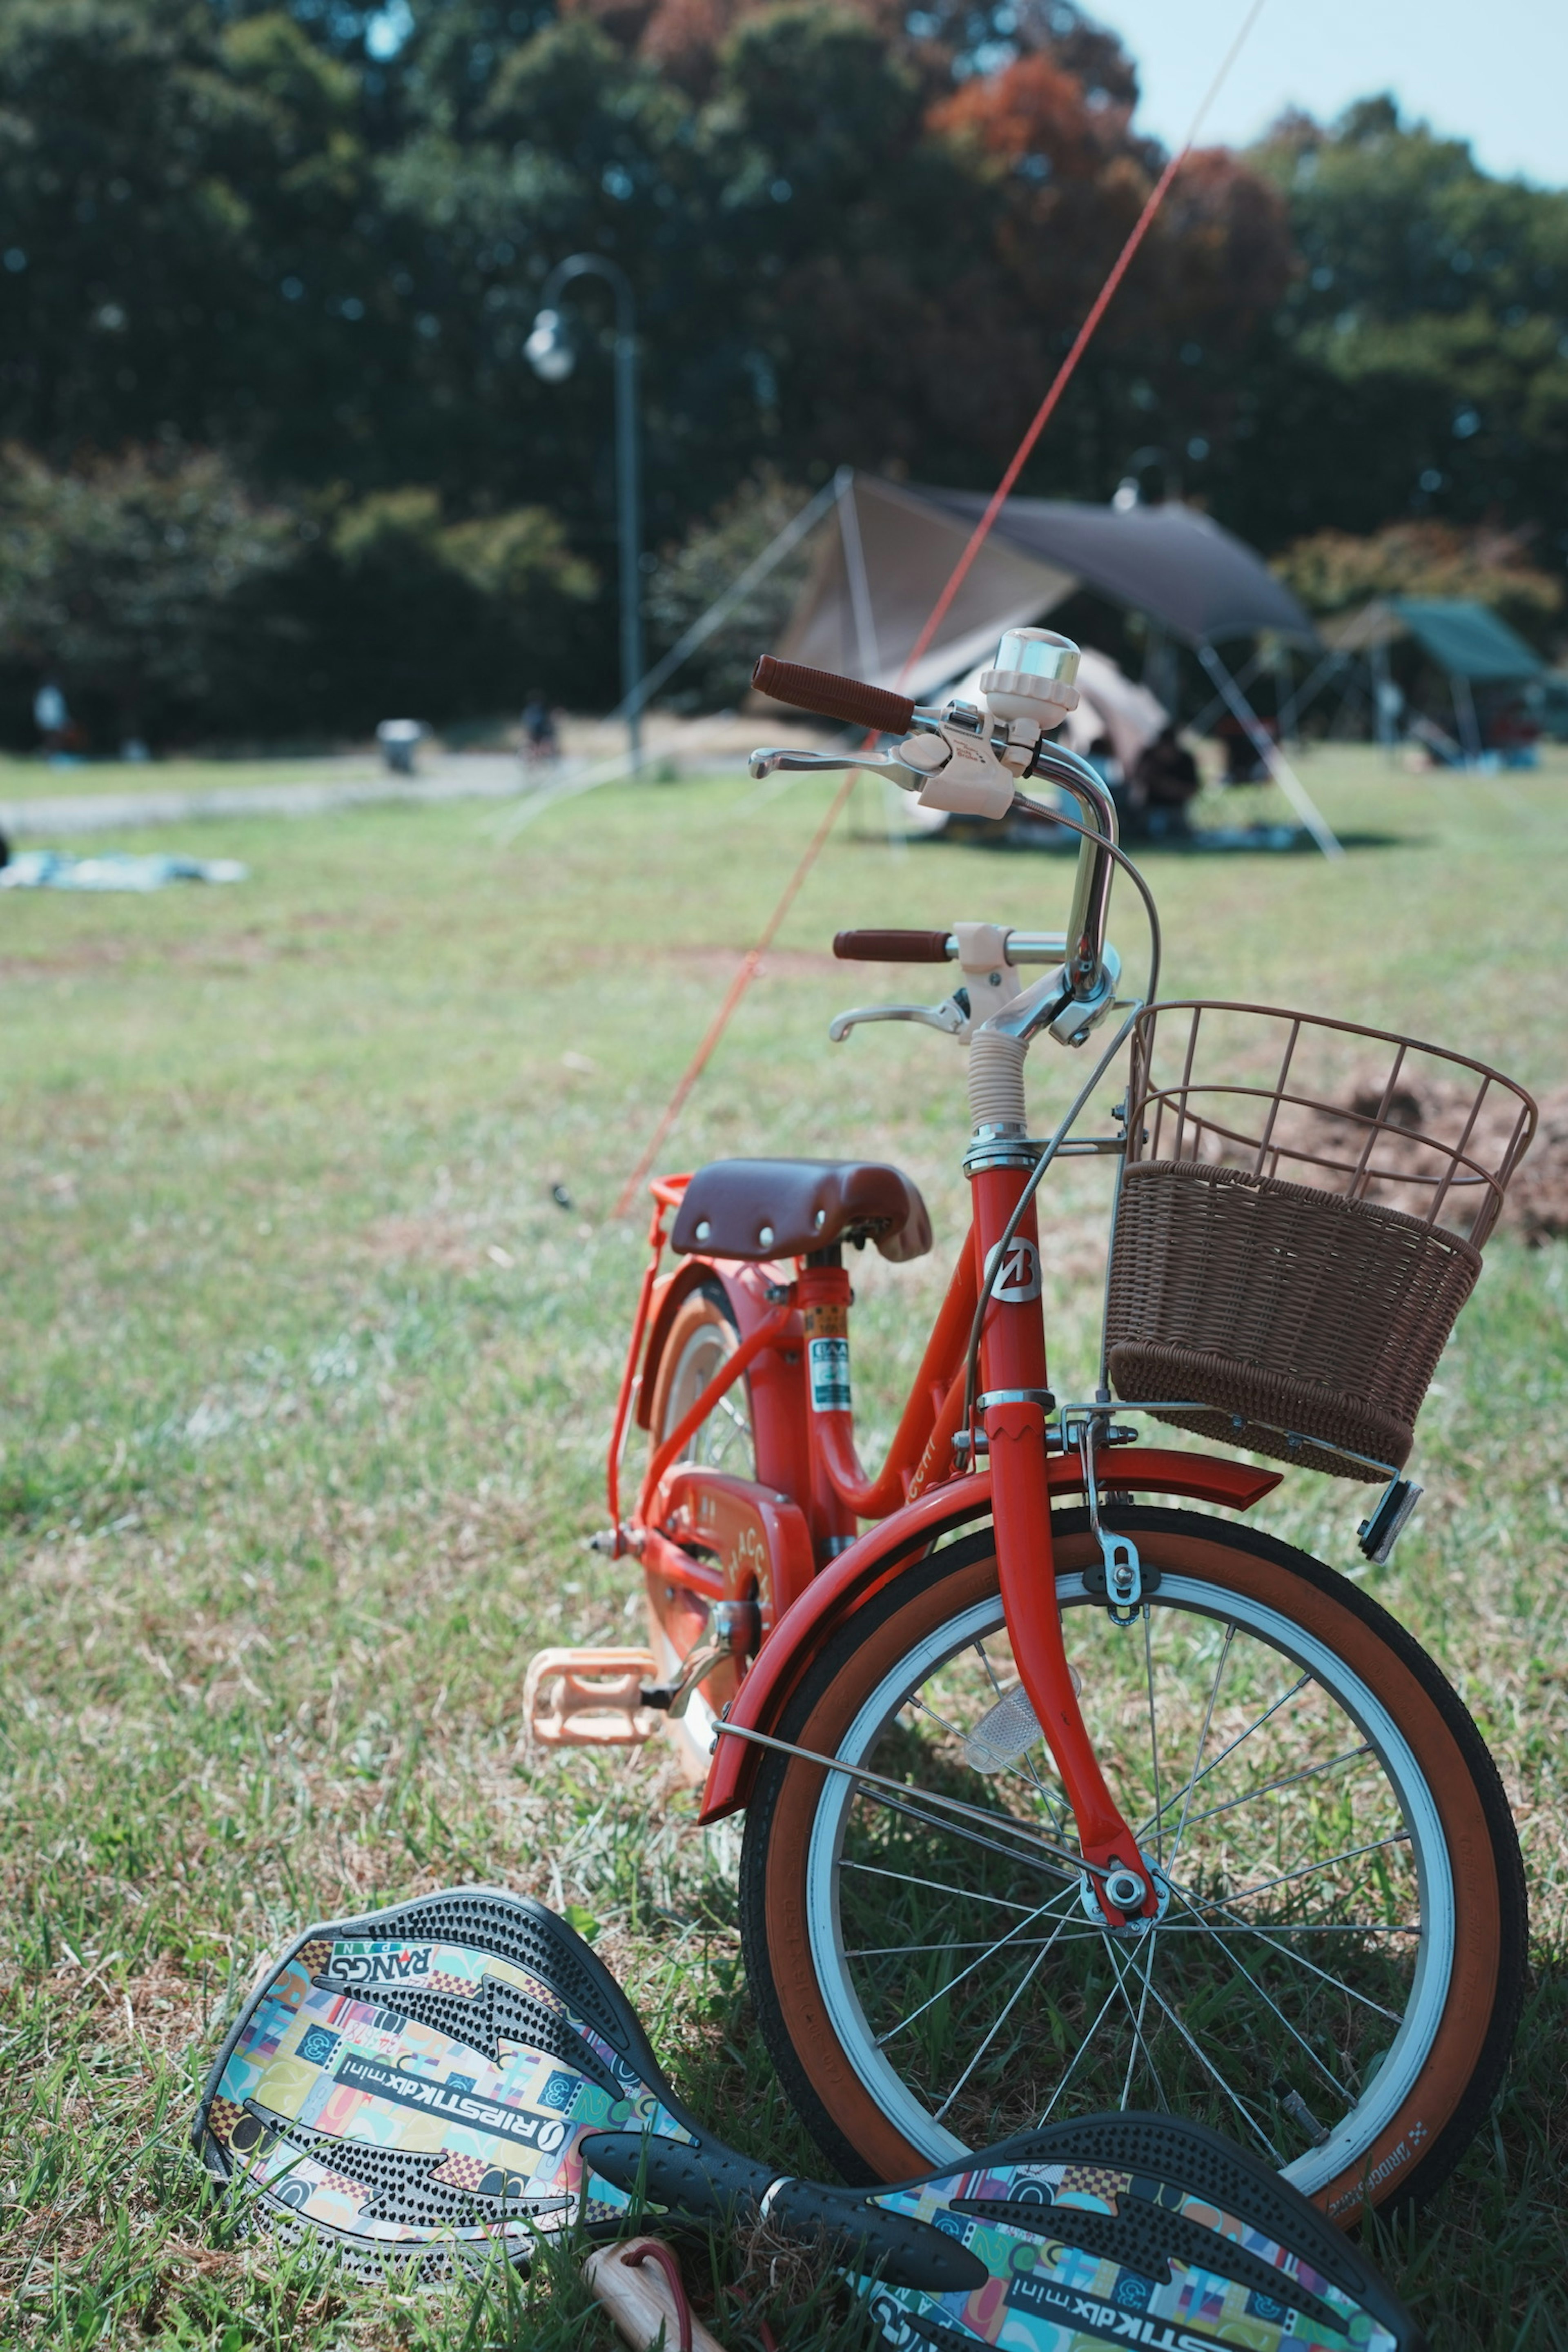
(874, 707)
(894, 947)
(823, 691)
(942, 947)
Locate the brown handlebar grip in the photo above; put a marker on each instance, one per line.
(891, 947)
(832, 697)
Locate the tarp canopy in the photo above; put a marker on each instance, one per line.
(877, 575)
(1169, 562)
(1461, 638)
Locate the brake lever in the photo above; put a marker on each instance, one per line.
(763, 763)
(951, 1017)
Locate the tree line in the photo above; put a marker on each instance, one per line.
(275, 465)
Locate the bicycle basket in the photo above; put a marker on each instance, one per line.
(1301, 1220)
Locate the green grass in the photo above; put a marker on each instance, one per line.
(304, 1382)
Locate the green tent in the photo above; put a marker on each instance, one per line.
(1463, 639)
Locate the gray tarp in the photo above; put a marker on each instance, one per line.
(877, 574)
(1169, 562)
(1463, 639)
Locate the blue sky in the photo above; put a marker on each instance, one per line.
(1495, 74)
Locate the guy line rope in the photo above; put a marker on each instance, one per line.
(1041, 418)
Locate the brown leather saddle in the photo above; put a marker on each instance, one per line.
(782, 1208)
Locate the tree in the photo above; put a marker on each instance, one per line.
(1335, 572)
(122, 579)
(692, 578)
(1421, 352)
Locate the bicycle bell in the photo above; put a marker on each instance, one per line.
(1033, 678)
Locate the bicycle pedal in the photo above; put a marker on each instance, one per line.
(588, 1698)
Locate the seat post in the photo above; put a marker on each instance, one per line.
(824, 1296)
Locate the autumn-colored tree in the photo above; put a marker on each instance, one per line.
(1336, 572)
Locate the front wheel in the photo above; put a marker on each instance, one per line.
(1337, 1969)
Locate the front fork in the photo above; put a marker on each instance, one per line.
(1012, 1407)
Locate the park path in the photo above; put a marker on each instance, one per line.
(474, 776)
(469, 776)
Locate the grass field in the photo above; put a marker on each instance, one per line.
(305, 1378)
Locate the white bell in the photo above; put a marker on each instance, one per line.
(1033, 678)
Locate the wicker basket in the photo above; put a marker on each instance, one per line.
(1300, 1314)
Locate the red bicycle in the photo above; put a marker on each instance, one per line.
(1059, 1798)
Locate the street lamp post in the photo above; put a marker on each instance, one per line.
(549, 353)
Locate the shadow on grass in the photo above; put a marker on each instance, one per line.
(1221, 842)
(1485, 2264)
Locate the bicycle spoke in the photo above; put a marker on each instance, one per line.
(1283, 1700)
(1289, 1877)
(1270, 1936)
(892, 1951)
(1291, 1927)
(1209, 2068)
(990, 1951)
(1139, 2043)
(1153, 1732)
(1078, 2054)
(1031, 1856)
(1285, 1781)
(1264, 1995)
(1025, 1982)
(962, 1894)
(1203, 1738)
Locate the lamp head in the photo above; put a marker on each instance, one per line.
(548, 350)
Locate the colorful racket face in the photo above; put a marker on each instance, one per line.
(415, 2085)
(1135, 2230)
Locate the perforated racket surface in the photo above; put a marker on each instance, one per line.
(414, 2085)
(432, 2085)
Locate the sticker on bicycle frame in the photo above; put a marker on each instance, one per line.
(1019, 1279)
(829, 1364)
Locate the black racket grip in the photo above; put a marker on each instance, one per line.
(900, 2249)
(891, 947)
(707, 2182)
(834, 696)
(702, 2180)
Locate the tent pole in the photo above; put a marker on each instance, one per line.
(1465, 712)
(867, 655)
(1215, 703)
(1273, 758)
(757, 570)
(1306, 693)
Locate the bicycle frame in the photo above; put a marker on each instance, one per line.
(736, 1558)
(778, 1562)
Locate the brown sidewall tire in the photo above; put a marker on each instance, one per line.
(1462, 2069)
(704, 1305)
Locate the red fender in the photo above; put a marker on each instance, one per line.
(880, 1554)
(748, 1304)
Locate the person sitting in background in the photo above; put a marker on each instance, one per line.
(1244, 763)
(51, 718)
(1165, 779)
(540, 740)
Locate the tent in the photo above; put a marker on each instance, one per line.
(1463, 639)
(1470, 644)
(878, 576)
